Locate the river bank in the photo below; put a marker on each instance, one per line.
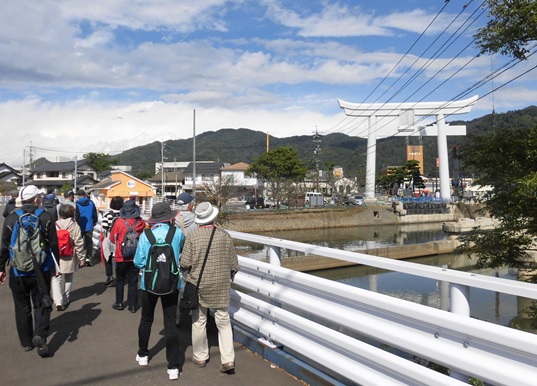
(379, 215)
(270, 220)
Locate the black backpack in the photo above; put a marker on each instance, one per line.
(161, 273)
(130, 242)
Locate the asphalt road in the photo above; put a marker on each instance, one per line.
(93, 344)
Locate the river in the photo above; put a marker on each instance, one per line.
(493, 307)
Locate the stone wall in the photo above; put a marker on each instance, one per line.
(264, 221)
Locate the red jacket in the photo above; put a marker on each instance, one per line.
(119, 230)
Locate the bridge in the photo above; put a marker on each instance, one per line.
(325, 332)
(348, 335)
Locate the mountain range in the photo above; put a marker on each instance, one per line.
(245, 145)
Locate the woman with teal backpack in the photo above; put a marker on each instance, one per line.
(147, 257)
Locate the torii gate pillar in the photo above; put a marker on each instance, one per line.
(397, 119)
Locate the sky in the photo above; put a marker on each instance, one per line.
(105, 76)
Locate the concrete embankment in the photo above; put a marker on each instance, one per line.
(266, 221)
(314, 263)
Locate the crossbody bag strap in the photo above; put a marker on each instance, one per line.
(206, 255)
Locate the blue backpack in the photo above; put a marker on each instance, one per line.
(26, 241)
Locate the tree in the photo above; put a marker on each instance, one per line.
(276, 167)
(505, 160)
(512, 25)
(408, 174)
(100, 161)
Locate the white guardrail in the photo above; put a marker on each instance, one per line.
(277, 304)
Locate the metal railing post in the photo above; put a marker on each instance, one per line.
(460, 305)
(275, 255)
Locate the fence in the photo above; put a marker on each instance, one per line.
(328, 323)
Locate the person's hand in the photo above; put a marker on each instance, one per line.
(82, 263)
(2, 278)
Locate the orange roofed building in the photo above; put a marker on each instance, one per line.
(124, 185)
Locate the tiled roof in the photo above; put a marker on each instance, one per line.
(241, 166)
(205, 167)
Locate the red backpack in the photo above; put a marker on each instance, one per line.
(65, 243)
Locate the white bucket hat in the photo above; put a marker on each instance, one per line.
(205, 213)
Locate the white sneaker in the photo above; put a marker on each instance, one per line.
(142, 361)
(173, 374)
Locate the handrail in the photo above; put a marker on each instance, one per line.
(469, 347)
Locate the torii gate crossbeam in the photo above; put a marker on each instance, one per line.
(398, 119)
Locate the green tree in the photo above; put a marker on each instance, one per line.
(100, 161)
(408, 174)
(276, 167)
(512, 25)
(505, 160)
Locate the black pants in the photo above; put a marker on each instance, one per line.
(127, 272)
(174, 355)
(88, 244)
(26, 296)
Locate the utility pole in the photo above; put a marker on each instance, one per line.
(76, 173)
(23, 166)
(162, 167)
(194, 154)
(317, 140)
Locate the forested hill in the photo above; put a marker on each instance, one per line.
(245, 145)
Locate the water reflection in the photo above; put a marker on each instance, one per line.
(349, 239)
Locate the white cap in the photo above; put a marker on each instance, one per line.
(30, 191)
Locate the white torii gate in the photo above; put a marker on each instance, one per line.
(398, 119)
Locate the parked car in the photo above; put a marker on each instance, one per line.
(357, 200)
(255, 202)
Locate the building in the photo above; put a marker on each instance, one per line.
(122, 184)
(60, 176)
(240, 184)
(9, 175)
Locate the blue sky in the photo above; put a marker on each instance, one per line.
(104, 76)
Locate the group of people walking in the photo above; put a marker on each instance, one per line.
(167, 250)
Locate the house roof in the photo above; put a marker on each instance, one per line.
(4, 166)
(168, 177)
(80, 181)
(205, 167)
(68, 166)
(105, 184)
(240, 166)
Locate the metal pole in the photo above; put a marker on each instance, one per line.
(76, 173)
(194, 155)
(162, 168)
(23, 166)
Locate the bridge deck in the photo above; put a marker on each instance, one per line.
(95, 344)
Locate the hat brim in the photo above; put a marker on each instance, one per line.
(166, 218)
(208, 219)
(130, 215)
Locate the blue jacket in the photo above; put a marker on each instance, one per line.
(142, 251)
(86, 214)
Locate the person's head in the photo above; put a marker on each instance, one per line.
(81, 193)
(70, 195)
(185, 201)
(30, 194)
(116, 203)
(205, 213)
(129, 210)
(67, 211)
(161, 212)
(14, 193)
(50, 191)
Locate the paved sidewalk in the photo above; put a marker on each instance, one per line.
(91, 344)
